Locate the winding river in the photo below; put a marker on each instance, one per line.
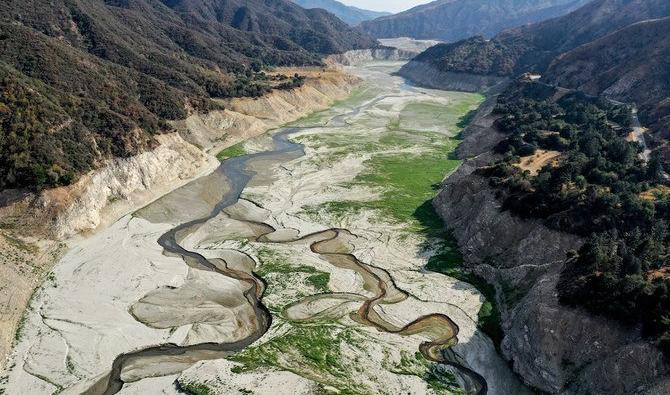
(236, 171)
(329, 244)
(369, 304)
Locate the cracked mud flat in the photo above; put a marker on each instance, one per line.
(309, 283)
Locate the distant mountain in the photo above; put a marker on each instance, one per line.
(616, 48)
(451, 20)
(349, 14)
(631, 65)
(533, 47)
(85, 80)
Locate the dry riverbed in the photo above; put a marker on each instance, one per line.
(340, 237)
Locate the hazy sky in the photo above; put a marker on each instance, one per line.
(385, 5)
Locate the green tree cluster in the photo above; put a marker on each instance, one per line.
(600, 189)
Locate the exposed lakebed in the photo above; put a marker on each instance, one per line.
(295, 268)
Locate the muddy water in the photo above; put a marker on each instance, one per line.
(332, 245)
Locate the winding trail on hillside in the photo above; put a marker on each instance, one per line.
(332, 245)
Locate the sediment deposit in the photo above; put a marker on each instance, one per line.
(192, 307)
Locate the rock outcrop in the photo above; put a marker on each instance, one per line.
(365, 55)
(244, 118)
(554, 348)
(424, 74)
(121, 185)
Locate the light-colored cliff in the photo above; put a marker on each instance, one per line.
(244, 118)
(426, 75)
(365, 55)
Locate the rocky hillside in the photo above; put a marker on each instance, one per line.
(451, 20)
(554, 348)
(87, 80)
(631, 65)
(349, 14)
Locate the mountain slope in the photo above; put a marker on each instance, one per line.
(451, 20)
(631, 65)
(600, 48)
(532, 47)
(85, 80)
(349, 14)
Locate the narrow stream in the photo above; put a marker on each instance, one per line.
(236, 171)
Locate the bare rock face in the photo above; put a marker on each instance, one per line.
(124, 183)
(424, 74)
(559, 349)
(245, 118)
(365, 55)
(554, 348)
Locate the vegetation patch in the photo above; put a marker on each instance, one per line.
(452, 117)
(276, 262)
(193, 388)
(336, 209)
(231, 152)
(19, 328)
(415, 364)
(312, 351)
(20, 244)
(408, 180)
(408, 183)
(287, 281)
(319, 282)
